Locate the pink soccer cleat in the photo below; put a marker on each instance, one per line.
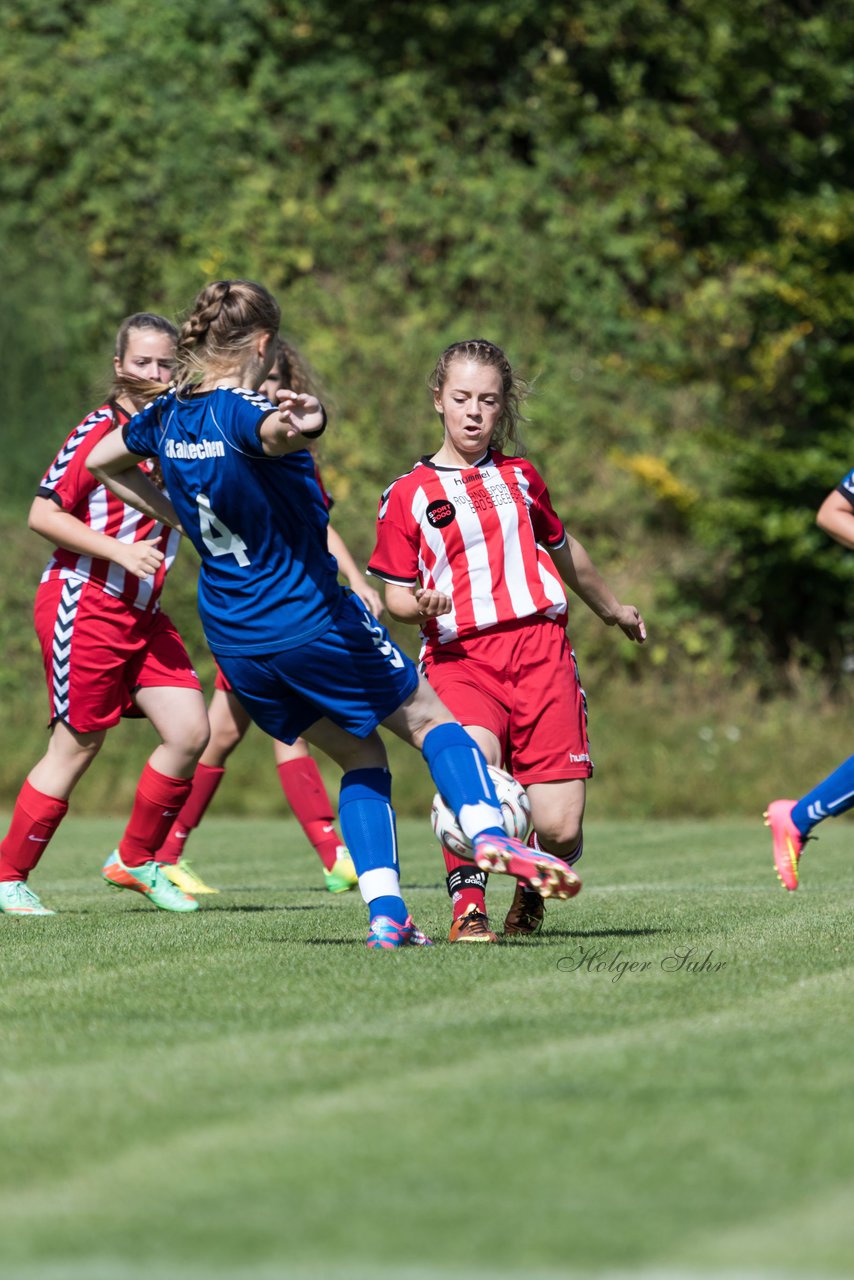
(550, 876)
(788, 841)
(386, 934)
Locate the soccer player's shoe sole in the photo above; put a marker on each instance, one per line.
(472, 926)
(386, 934)
(525, 917)
(18, 899)
(341, 876)
(788, 841)
(550, 876)
(185, 878)
(148, 880)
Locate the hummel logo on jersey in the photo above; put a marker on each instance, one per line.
(384, 645)
(182, 449)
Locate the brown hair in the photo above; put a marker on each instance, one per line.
(514, 388)
(293, 371)
(139, 320)
(226, 319)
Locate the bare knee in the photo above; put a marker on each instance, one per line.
(561, 839)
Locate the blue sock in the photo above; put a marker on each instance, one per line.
(370, 833)
(459, 771)
(387, 905)
(832, 796)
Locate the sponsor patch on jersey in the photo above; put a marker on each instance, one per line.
(190, 450)
(440, 513)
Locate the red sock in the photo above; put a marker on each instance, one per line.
(205, 782)
(309, 799)
(34, 820)
(465, 894)
(156, 805)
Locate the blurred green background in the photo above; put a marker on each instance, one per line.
(648, 204)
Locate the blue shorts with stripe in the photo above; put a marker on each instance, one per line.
(353, 674)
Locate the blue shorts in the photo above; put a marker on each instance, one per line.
(353, 675)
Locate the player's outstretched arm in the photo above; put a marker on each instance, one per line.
(62, 529)
(836, 517)
(415, 604)
(112, 463)
(300, 418)
(356, 580)
(581, 576)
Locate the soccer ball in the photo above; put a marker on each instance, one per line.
(515, 810)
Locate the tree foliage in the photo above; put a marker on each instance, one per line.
(647, 202)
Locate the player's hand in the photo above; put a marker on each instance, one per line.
(371, 599)
(630, 622)
(142, 559)
(299, 413)
(431, 603)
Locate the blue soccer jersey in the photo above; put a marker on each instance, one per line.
(846, 487)
(267, 581)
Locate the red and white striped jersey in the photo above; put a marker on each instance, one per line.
(478, 534)
(68, 483)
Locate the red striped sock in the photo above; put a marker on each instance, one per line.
(34, 820)
(156, 805)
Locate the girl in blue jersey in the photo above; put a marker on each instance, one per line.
(304, 655)
(791, 821)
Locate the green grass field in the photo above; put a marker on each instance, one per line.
(249, 1093)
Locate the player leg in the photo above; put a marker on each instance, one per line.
(296, 693)
(166, 689)
(791, 821)
(83, 672)
(370, 830)
(469, 690)
(309, 800)
(459, 771)
(39, 809)
(228, 726)
(550, 756)
(557, 810)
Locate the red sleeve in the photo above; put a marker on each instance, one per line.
(325, 494)
(396, 554)
(67, 480)
(548, 527)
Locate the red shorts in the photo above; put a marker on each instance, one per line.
(98, 651)
(221, 683)
(521, 683)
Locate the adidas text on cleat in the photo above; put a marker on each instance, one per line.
(550, 876)
(788, 841)
(148, 880)
(386, 934)
(341, 876)
(472, 926)
(18, 899)
(525, 916)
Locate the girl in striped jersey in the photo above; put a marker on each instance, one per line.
(470, 548)
(108, 649)
(304, 656)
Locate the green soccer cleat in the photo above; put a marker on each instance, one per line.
(18, 899)
(185, 877)
(148, 880)
(342, 877)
